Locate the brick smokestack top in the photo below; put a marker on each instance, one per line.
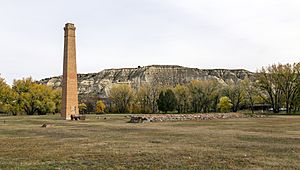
(69, 85)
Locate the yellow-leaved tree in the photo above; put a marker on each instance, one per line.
(100, 107)
(82, 108)
(121, 96)
(225, 104)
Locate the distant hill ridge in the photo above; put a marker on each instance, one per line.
(98, 84)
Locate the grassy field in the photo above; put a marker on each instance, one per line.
(111, 143)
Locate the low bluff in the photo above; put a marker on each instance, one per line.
(93, 86)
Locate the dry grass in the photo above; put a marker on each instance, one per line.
(266, 143)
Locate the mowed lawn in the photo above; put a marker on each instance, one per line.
(112, 143)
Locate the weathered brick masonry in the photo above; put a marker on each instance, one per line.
(69, 83)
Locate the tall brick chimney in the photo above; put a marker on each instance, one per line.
(69, 81)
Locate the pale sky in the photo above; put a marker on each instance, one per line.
(204, 34)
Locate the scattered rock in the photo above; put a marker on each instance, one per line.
(47, 125)
(136, 119)
(185, 117)
(78, 117)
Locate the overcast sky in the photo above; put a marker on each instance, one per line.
(230, 34)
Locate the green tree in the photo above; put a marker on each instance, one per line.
(7, 98)
(250, 92)
(287, 78)
(57, 98)
(279, 84)
(266, 81)
(161, 102)
(143, 98)
(204, 95)
(196, 95)
(211, 90)
(235, 92)
(121, 96)
(296, 101)
(183, 98)
(224, 104)
(34, 98)
(82, 108)
(166, 101)
(154, 94)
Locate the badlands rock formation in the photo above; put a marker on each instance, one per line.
(96, 85)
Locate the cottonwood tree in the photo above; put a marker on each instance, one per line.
(183, 98)
(204, 95)
(57, 98)
(270, 93)
(155, 89)
(296, 101)
(287, 78)
(33, 97)
(143, 98)
(250, 92)
(121, 96)
(7, 98)
(211, 90)
(235, 92)
(268, 82)
(196, 95)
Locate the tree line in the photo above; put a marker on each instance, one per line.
(276, 86)
(28, 97)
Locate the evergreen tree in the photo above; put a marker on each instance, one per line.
(166, 101)
(161, 102)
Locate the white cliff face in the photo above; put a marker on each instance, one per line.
(98, 84)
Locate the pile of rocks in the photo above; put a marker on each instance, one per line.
(184, 117)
